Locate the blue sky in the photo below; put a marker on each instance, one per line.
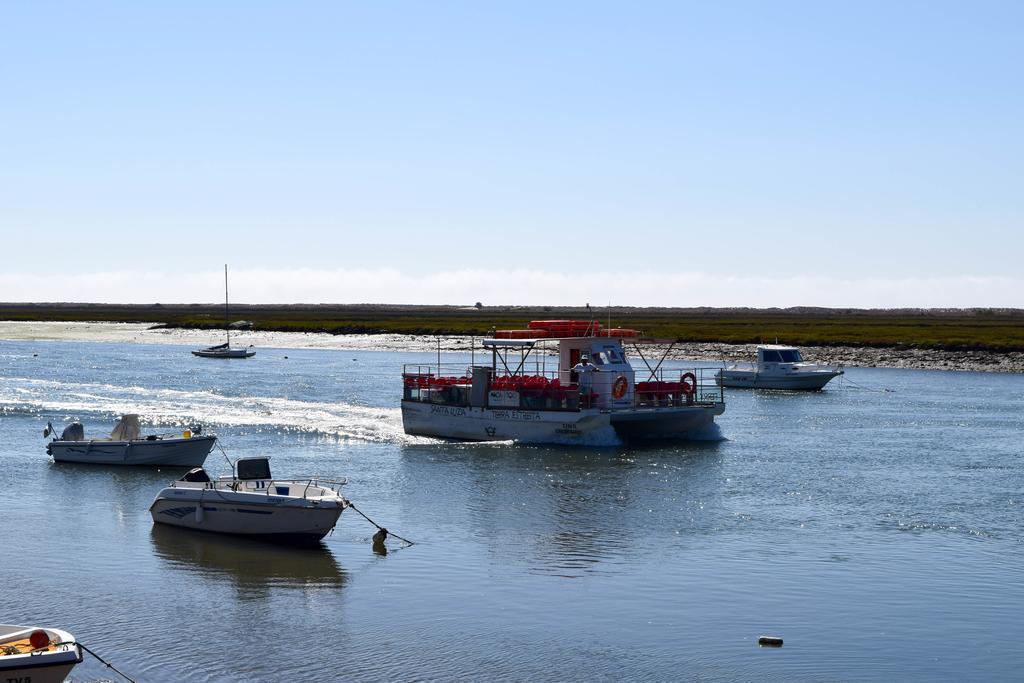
(726, 153)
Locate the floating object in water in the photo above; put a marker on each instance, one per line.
(769, 641)
(378, 542)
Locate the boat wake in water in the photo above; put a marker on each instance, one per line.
(100, 403)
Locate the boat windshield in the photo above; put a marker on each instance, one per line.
(781, 356)
(607, 356)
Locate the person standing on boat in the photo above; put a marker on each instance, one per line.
(584, 371)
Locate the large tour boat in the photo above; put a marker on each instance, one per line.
(535, 388)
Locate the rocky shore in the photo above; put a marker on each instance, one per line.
(868, 357)
(848, 356)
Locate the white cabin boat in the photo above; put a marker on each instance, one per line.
(778, 367)
(252, 503)
(127, 446)
(530, 390)
(36, 655)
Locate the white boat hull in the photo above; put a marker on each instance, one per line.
(226, 512)
(797, 381)
(178, 452)
(500, 424)
(664, 423)
(552, 426)
(41, 667)
(229, 353)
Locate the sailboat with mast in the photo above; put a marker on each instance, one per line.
(224, 350)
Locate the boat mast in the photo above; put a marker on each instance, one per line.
(227, 324)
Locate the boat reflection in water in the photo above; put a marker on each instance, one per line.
(573, 512)
(254, 567)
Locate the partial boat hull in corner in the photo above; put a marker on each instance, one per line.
(179, 452)
(50, 665)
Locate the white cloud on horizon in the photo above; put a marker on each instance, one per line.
(515, 287)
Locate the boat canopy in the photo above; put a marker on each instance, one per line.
(127, 429)
(510, 343)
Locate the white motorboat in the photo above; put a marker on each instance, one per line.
(252, 503)
(532, 390)
(778, 367)
(225, 350)
(127, 446)
(31, 654)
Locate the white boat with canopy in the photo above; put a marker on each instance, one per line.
(225, 350)
(250, 502)
(127, 446)
(778, 367)
(31, 654)
(537, 389)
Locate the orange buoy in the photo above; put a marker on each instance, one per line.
(38, 640)
(620, 386)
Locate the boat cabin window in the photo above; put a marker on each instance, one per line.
(769, 356)
(253, 468)
(606, 356)
(790, 356)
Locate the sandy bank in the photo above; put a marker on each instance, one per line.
(140, 333)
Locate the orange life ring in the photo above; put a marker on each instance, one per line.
(689, 383)
(620, 386)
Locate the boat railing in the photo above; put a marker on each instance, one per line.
(266, 485)
(536, 388)
(676, 388)
(554, 390)
(308, 482)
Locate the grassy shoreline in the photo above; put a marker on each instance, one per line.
(991, 330)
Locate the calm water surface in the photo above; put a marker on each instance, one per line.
(878, 532)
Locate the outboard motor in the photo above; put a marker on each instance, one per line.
(196, 474)
(73, 432)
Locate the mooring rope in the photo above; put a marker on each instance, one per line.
(109, 665)
(349, 504)
(846, 380)
(386, 532)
